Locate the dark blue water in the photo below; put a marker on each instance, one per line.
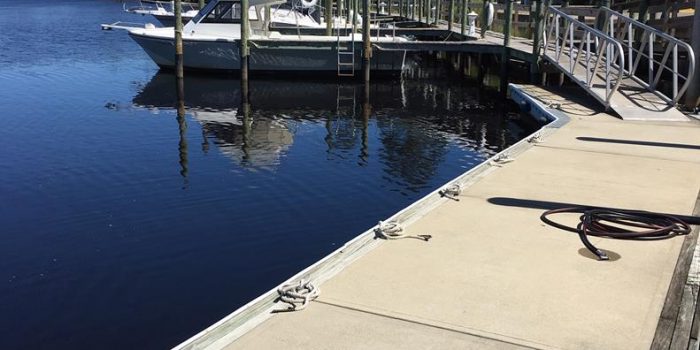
(123, 226)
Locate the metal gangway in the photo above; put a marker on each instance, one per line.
(622, 64)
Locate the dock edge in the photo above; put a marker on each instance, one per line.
(250, 315)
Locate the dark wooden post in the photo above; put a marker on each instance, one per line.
(366, 44)
(419, 10)
(463, 11)
(179, 69)
(451, 15)
(505, 56)
(328, 13)
(692, 96)
(355, 14)
(438, 11)
(484, 19)
(428, 11)
(536, 40)
(244, 52)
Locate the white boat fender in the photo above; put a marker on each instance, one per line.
(149, 26)
(309, 3)
(489, 14)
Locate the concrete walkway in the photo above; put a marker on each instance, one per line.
(494, 276)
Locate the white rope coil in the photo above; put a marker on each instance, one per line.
(501, 159)
(535, 139)
(452, 191)
(298, 295)
(392, 230)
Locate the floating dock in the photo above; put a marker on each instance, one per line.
(493, 276)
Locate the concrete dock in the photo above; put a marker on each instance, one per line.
(494, 276)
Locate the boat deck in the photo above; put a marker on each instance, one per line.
(494, 276)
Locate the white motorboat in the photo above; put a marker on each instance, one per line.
(211, 41)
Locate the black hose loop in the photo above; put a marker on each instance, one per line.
(618, 224)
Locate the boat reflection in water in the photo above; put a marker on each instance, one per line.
(408, 125)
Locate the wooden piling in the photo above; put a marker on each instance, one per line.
(692, 96)
(438, 11)
(366, 44)
(201, 4)
(328, 14)
(484, 19)
(419, 10)
(179, 64)
(451, 15)
(505, 56)
(244, 51)
(464, 10)
(428, 11)
(267, 15)
(355, 9)
(537, 15)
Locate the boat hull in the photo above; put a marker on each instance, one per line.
(265, 55)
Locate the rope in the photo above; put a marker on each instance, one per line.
(501, 159)
(392, 230)
(535, 139)
(452, 192)
(298, 295)
(619, 224)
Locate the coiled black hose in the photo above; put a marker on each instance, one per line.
(621, 224)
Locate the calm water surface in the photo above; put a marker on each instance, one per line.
(123, 226)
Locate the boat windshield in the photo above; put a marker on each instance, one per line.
(222, 12)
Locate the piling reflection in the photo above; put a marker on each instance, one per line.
(182, 127)
(407, 126)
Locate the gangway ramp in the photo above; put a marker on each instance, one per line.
(607, 64)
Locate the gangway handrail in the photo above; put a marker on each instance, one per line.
(649, 35)
(606, 47)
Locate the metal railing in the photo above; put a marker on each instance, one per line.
(597, 56)
(628, 32)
